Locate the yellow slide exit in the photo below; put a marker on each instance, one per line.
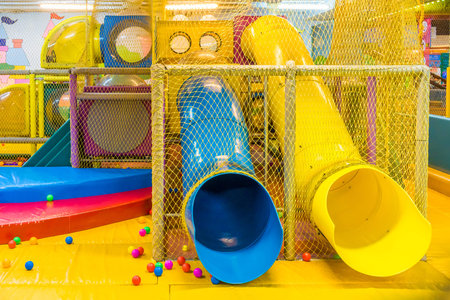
(367, 217)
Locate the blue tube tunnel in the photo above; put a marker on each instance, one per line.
(229, 214)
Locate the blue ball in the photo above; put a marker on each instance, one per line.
(214, 280)
(158, 271)
(69, 240)
(29, 265)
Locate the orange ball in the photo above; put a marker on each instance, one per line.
(141, 220)
(136, 280)
(306, 256)
(181, 260)
(33, 241)
(150, 267)
(20, 163)
(141, 250)
(186, 267)
(6, 263)
(12, 244)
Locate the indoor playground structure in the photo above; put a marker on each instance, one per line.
(225, 139)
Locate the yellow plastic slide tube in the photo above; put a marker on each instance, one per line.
(367, 217)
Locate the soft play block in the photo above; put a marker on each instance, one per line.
(21, 185)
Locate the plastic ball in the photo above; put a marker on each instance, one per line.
(135, 253)
(136, 280)
(142, 232)
(186, 267)
(150, 212)
(198, 272)
(214, 280)
(29, 265)
(141, 250)
(181, 260)
(50, 197)
(147, 229)
(185, 248)
(130, 249)
(168, 264)
(2, 164)
(12, 244)
(6, 263)
(17, 240)
(20, 164)
(69, 240)
(336, 256)
(141, 220)
(159, 265)
(306, 256)
(151, 267)
(33, 241)
(158, 271)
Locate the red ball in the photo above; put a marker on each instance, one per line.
(141, 250)
(150, 212)
(12, 244)
(186, 267)
(181, 260)
(136, 280)
(306, 256)
(150, 267)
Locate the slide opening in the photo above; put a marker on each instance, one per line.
(231, 212)
(371, 221)
(363, 206)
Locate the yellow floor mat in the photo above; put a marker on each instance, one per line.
(98, 266)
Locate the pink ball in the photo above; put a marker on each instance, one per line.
(135, 253)
(142, 232)
(168, 264)
(198, 272)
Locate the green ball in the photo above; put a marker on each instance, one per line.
(280, 214)
(50, 197)
(17, 240)
(159, 264)
(336, 256)
(147, 229)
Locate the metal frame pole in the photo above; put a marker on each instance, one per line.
(289, 163)
(157, 75)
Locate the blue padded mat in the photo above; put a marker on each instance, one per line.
(19, 185)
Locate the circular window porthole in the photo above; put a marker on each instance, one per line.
(131, 42)
(180, 42)
(210, 41)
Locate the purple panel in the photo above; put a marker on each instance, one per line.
(240, 23)
(93, 149)
(371, 119)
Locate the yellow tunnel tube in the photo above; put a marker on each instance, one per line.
(367, 217)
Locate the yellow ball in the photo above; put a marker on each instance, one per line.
(33, 241)
(185, 248)
(6, 263)
(130, 249)
(142, 220)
